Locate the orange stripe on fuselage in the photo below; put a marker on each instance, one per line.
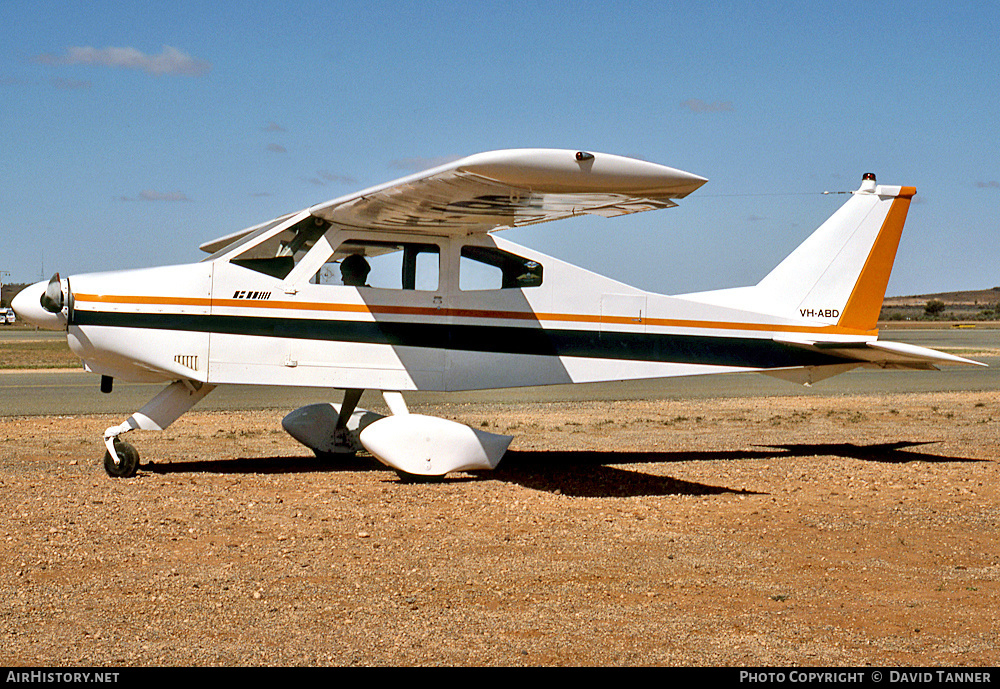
(462, 313)
(135, 299)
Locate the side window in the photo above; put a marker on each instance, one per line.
(277, 255)
(385, 265)
(487, 268)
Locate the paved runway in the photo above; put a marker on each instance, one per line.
(62, 393)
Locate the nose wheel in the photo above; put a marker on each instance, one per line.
(128, 460)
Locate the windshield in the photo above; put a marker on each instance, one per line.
(276, 253)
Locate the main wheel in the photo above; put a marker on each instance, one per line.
(128, 460)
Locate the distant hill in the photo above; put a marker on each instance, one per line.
(970, 305)
(979, 297)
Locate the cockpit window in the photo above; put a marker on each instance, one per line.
(278, 254)
(486, 268)
(383, 264)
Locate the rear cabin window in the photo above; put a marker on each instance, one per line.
(489, 268)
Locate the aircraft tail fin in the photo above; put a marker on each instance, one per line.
(838, 277)
(840, 273)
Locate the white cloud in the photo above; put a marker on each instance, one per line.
(323, 178)
(150, 195)
(170, 61)
(698, 105)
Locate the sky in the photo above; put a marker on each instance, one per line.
(130, 133)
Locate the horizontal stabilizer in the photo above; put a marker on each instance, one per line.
(903, 353)
(882, 354)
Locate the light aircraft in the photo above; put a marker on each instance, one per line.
(448, 305)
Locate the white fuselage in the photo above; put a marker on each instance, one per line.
(218, 322)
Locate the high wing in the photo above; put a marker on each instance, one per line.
(501, 189)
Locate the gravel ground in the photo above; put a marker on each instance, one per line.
(781, 531)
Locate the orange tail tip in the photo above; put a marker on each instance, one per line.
(865, 303)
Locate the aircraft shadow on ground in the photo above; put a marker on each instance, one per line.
(594, 473)
(579, 473)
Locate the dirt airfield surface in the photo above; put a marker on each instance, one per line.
(842, 531)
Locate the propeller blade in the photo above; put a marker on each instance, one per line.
(52, 299)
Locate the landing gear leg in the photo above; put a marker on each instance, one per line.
(121, 459)
(343, 439)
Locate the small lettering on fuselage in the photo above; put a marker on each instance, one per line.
(247, 294)
(819, 313)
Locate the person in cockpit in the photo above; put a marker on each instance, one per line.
(354, 271)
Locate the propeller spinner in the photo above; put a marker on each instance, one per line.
(52, 298)
(42, 304)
